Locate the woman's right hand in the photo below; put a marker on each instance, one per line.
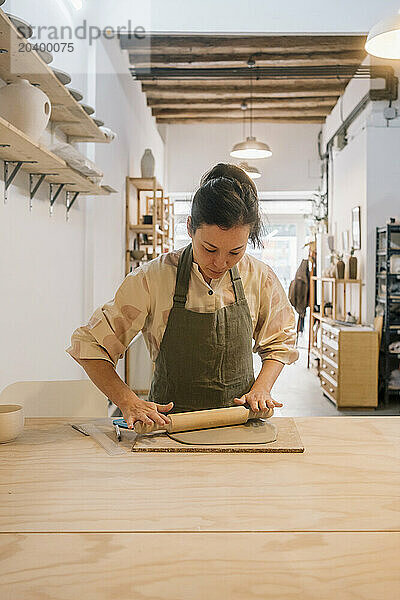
(134, 409)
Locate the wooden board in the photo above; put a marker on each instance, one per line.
(54, 479)
(198, 566)
(288, 440)
(320, 524)
(19, 147)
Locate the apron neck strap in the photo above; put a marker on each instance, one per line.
(183, 278)
(237, 284)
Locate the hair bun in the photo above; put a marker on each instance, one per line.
(229, 171)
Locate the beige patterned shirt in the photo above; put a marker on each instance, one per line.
(145, 297)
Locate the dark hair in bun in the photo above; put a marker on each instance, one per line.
(227, 197)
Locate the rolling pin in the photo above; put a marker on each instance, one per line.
(205, 419)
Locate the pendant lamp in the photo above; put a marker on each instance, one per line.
(383, 40)
(252, 172)
(251, 148)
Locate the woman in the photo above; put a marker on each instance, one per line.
(199, 309)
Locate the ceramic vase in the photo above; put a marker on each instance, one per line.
(147, 163)
(26, 107)
(352, 267)
(340, 269)
(332, 268)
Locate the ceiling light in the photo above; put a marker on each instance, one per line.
(250, 148)
(252, 172)
(383, 40)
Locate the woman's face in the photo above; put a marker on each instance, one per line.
(217, 250)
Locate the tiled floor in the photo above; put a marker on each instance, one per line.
(299, 390)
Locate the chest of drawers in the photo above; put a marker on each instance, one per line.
(349, 365)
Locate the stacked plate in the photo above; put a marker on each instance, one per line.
(26, 31)
(22, 26)
(62, 76)
(75, 94)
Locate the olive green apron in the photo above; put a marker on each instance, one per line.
(205, 359)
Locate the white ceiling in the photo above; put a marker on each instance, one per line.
(277, 16)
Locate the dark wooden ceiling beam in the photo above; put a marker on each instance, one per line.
(287, 119)
(244, 73)
(170, 43)
(239, 85)
(185, 76)
(351, 57)
(238, 114)
(259, 103)
(228, 94)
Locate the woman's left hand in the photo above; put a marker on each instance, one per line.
(259, 400)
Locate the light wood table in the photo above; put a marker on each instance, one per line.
(77, 523)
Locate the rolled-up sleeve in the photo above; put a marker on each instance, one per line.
(275, 334)
(113, 326)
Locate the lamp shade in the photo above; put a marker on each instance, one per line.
(251, 148)
(383, 40)
(252, 172)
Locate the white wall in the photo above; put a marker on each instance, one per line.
(193, 149)
(52, 272)
(365, 173)
(122, 105)
(348, 189)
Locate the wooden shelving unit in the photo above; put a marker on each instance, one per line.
(347, 355)
(313, 347)
(166, 219)
(334, 283)
(169, 223)
(16, 147)
(154, 232)
(158, 233)
(16, 64)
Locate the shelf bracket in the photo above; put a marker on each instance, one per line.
(8, 179)
(68, 202)
(54, 196)
(34, 187)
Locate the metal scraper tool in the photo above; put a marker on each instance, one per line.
(101, 438)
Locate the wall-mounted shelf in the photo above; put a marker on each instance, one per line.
(16, 64)
(16, 147)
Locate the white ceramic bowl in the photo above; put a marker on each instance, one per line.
(11, 422)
